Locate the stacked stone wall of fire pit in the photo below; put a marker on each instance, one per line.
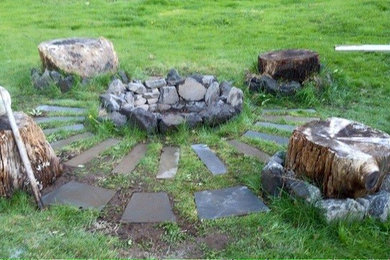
(162, 104)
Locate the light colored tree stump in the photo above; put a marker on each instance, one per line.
(346, 158)
(293, 64)
(44, 162)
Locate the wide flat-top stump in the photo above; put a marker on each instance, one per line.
(348, 159)
(44, 162)
(292, 64)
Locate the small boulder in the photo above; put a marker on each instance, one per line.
(151, 93)
(170, 122)
(207, 80)
(138, 88)
(289, 88)
(212, 93)
(225, 88)
(235, 98)
(116, 87)
(123, 76)
(139, 100)
(151, 101)
(192, 90)
(342, 209)
(385, 183)
(129, 98)
(269, 85)
(304, 190)
(169, 95)
(379, 205)
(117, 118)
(109, 101)
(141, 118)
(272, 180)
(217, 114)
(173, 78)
(193, 119)
(65, 84)
(196, 106)
(155, 83)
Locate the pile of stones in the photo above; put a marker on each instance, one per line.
(42, 80)
(275, 179)
(162, 104)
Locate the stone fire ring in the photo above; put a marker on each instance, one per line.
(162, 104)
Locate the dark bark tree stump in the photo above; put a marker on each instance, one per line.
(44, 162)
(295, 65)
(345, 158)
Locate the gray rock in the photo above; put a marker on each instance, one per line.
(155, 83)
(41, 81)
(289, 88)
(82, 56)
(123, 76)
(179, 106)
(143, 119)
(109, 102)
(152, 101)
(207, 80)
(152, 93)
(217, 114)
(279, 157)
(196, 106)
(169, 95)
(193, 119)
(117, 118)
(163, 107)
(138, 88)
(170, 122)
(254, 84)
(379, 205)
(139, 100)
(235, 98)
(386, 184)
(152, 107)
(129, 98)
(304, 190)
(65, 84)
(116, 87)
(192, 90)
(197, 77)
(225, 88)
(210, 159)
(269, 85)
(173, 78)
(144, 107)
(56, 76)
(345, 209)
(212, 93)
(272, 180)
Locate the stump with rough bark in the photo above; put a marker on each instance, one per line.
(45, 164)
(345, 158)
(292, 64)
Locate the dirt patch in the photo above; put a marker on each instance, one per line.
(215, 241)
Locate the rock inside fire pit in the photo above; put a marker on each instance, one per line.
(345, 158)
(162, 104)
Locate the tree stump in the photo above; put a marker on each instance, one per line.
(295, 65)
(346, 158)
(44, 162)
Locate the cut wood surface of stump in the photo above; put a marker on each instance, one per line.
(346, 158)
(45, 164)
(294, 64)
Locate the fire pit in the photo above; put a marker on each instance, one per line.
(162, 104)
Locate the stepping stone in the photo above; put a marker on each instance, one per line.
(287, 128)
(79, 195)
(235, 201)
(130, 161)
(168, 162)
(47, 108)
(295, 119)
(148, 208)
(250, 150)
(212, 162)
(281, 110)
(267, 137)
(77, 127)
(41, 120)
(61, 143)
(91, 153)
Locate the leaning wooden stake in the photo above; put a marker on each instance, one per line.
(21, 148)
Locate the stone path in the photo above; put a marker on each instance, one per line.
(79, 195)
(250, 150)
(130, 161)
(287, 128)
(73, 110)
(288, 118)
(148, 208)
(64, 142)
(169, 162)
(77, 127)
(91, 153)
(41, 120)
(235, 201)
(212, 162)
(267, 137)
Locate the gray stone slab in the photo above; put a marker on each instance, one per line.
(79, 195)
(282, 110)
(287, 128)
(295, 119)
(235, 201)
(48, 108)
(148, 208)
(77, 127)
(91, 153)
(61, 143)
(267, 137)
(41, 120)
(250, 150)
(130, 161)
(169, 162)
(212, 162)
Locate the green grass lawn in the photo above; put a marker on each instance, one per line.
(222, 38)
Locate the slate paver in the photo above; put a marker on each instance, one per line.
(91, 153)
(48, 108)
(212, 162)
(147, 207)
(267, 137)
(61, 143)
(250, 150)
(234, 201)
(41, 120)
(130, 161)
(76, 127)
(169, 162)
(287, 128)
(79, 195)
(295, 119)
(291, 110)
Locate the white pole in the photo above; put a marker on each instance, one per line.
(22, 149)
(365, 47)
